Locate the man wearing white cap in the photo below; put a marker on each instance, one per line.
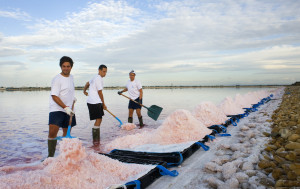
(135, 91)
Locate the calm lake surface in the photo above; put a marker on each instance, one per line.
(24, 118)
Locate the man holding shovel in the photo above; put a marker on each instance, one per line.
(61, 102)
(134, 88)
(95, 101)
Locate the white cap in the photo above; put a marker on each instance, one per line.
(132, 71)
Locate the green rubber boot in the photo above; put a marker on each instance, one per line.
(51, 147)
(96, 134)
(130, 120)
(141, 121)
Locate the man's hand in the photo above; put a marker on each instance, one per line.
(86, 94)
(120, 92)
(104, 107)
(69, 111)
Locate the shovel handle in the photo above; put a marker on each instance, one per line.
(71, 116)
(110, 113)
(133, 100)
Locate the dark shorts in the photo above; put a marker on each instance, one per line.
(96, 111)
(133, 105)
(61, 119)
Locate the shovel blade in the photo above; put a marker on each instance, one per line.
(154, 111)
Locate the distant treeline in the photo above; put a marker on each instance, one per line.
(144, 87)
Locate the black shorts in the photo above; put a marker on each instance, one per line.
(133, 105)
(61, 119)
(96, 111)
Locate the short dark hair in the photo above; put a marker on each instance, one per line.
(102, 66)
(65, 59)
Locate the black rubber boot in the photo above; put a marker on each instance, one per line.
(141, 121)
(130, 120)
(96, 134)
(51, 147)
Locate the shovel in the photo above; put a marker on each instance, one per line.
(115, 117)
(153, 112)
(68, 135)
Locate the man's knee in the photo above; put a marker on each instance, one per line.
(53, 130)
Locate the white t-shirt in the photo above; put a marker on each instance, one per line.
(133, 88)
(96, 84)
(62, 87)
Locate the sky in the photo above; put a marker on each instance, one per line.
(166, 42)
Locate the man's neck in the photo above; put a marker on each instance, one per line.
(64, 74)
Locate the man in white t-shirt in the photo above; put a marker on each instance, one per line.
(61, 101)
(95, 101)
(135, 91)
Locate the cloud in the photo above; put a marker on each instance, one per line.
(8, 51)
(16, 14)
(169, 37)
(97, 23)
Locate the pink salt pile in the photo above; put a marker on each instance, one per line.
(244, 101)
(128, 126)
(73, 168)
(247, 100)
(233, 107)
(229, 107)
(179, 127)
(209, 114)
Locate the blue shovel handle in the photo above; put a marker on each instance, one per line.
(68, 135)
(115, 117)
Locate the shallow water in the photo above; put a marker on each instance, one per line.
(24, 118)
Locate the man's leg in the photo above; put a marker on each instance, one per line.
(53, 130)
(139, 114)
(130, 114)
(96, 131)
(65, 130)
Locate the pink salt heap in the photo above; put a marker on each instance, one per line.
(128, 126)
(73, 168)
(209, 114)
(181, 126)
(247, 100)
(178, 127)
(229, 107)
(243, 101)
